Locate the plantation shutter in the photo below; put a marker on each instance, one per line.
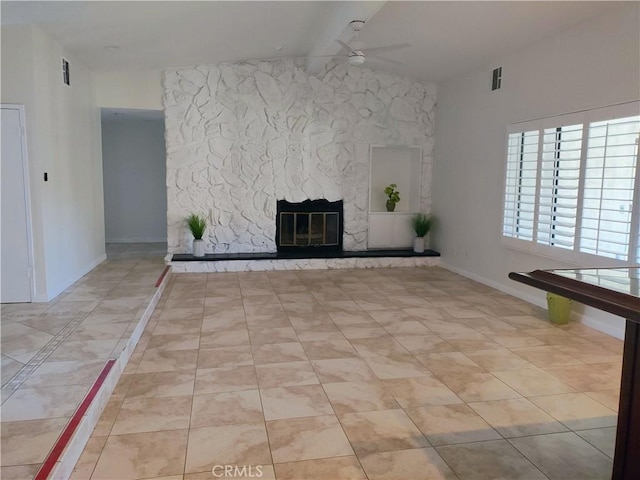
(558, 189)
(520, 187)
(610, 176)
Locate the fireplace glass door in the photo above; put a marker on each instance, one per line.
(303, 229)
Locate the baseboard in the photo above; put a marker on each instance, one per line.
(599, 324)
(137, 240)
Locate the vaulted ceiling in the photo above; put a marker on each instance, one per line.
(446, 38)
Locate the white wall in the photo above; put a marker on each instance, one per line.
(593, 65)
(135, 193)
(242, 136)
(139, 89)
(63, 134)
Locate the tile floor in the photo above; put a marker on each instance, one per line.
(53, 352)
(354, 374)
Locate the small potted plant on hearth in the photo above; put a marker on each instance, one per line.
(197, 224)
(421, 224)
(393, 197)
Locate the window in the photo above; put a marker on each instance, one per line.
(572, 184)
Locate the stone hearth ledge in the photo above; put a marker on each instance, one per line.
(298, 264)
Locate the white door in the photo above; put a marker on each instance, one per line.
(15, 234)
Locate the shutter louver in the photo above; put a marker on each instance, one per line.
(520, 189)
(559, 181)
(612, 158)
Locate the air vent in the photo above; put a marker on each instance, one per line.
(66, 78)
(496, 81)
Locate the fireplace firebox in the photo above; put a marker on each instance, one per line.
(312, 224)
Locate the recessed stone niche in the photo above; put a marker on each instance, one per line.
(242, 136)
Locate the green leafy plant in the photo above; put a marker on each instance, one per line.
(421, 224)
(392, 193)
(197, 225)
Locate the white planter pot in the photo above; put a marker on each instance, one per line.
(418, 244)
(198, 248)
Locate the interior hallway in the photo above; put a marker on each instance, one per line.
(408, 373)
(53, 352)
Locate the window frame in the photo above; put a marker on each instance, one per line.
(571, 256)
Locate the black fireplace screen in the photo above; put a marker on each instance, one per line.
(310, 224)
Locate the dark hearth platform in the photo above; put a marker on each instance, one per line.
(218, 257)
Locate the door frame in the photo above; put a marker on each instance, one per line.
(27, 193)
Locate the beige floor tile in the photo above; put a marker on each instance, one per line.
(307, 438)
(227, 379)
(470, 342)
(450, 424)
(88, 459)
(396, 366)
(608, 398)
(286, 374)
(498, 359)
(590, 353)
(368, 347)
(65, 373)
(264, 335)
(348, 397)
(321, 331)
(161, 384)
(217, 323)
(585, 377)
(19, 472)
(278, 353)
(85, 350)
(344, 319)
(343, 468)
(139, 415)
(413, 464)
(244, 444)
(479, 387)
(419, 391)
(449, 363)
(107, 418)
(23, 343)
(533, 381)
(343, 370)
(488, 460)
(225, 357)
(381, 431)
(9, 368)
(295, 401)
(43, 402)
(27, 442)
(225, 338)
(564, 455)
(184, 313)
(517, 417)
(515, 340)
(423, 344)
(547, 356)
(363, 331)
(174, 341)
(163, 454)
(226, 408)
(322, 350)
(407, 327)
(168, 361)
(576, 410)
(604, 439)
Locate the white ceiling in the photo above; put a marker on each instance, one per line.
(447, 38)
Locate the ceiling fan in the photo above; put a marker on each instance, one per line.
(357, 54)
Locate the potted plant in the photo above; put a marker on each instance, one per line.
(197, 225)
(421, 224)
(393, 197)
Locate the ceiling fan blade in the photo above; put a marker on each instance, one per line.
(383, 59)
(345, 45)
(387, 48)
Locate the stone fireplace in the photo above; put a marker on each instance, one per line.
(310, 225)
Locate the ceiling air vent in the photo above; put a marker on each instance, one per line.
(496, 81)
(66, 79)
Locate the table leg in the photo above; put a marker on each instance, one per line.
(626, 462)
